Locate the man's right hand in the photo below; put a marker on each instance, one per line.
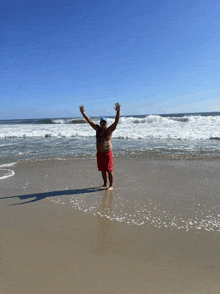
(81, 108)
(87, 118)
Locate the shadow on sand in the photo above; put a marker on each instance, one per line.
(41, 196)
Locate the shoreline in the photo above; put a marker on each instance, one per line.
(60, 235)
(63, 148)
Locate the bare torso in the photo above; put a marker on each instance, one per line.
(103, 139)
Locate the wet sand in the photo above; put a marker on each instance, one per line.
(157, 232)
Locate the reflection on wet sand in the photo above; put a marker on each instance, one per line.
(105, 213)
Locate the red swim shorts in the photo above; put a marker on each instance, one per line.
(105, 161)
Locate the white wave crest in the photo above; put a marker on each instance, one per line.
(149, 127)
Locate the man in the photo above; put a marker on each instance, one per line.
(104, 145)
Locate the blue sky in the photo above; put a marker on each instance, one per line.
(152, 56)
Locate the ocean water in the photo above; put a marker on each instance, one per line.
(162, 134)
(177, 136)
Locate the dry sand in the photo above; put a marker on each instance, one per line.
(49, 245)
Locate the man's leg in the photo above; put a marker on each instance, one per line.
(105, 178)
(111, 179)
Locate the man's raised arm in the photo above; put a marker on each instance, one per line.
(117, 108)
(87, 118)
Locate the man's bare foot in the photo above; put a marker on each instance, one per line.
(110, 188)
(103, 187)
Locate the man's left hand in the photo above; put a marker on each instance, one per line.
(117, 106)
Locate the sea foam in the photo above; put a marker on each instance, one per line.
(149, 127)
(6, 173)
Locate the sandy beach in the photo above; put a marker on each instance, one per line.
(156, 232)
